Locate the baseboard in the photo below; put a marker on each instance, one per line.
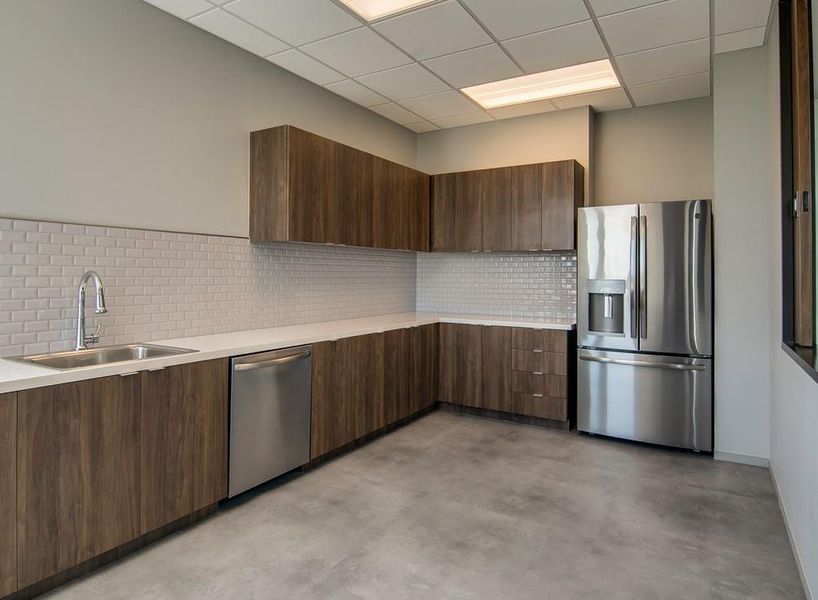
(743, 459)
(798, 562)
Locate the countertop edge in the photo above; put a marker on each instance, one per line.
(229, 344)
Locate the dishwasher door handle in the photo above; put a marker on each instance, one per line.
(273, 362)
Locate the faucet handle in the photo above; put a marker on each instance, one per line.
(93, 338)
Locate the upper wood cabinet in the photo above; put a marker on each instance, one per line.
(184, 441)
(457, 205)
(525, 207)
(78, 450)
(306, 188)
(8, 495)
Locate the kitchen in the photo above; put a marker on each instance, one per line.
(340, 303)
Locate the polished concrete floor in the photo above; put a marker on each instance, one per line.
(461, 507)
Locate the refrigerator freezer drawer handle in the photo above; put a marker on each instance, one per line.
(642, 363)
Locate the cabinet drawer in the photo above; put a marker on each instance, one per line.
(534, 383)
(538, 361)
(539, 339)
(544, 407)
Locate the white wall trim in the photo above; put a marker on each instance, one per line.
(798, 563)
(743, 459)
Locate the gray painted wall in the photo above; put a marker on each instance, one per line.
(121, 114)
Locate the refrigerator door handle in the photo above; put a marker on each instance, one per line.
(632, 275)
(642, 363)
(643, 277)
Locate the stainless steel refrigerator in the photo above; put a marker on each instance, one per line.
(645, 323)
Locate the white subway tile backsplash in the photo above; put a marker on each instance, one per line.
(525, 285)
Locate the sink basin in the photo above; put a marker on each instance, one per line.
(74, 359)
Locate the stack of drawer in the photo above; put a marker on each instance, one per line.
(539, 373)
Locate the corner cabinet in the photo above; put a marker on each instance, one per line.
(306, 188)
(520, 208)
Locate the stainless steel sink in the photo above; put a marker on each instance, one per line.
(91, 357)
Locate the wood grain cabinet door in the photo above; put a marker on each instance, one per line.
(496, 190)
(563, 193)
(397, 374)
(328, 414)
(8, 493)
(496, 382)
(392, 206)
(312, 187)
(461, 364)
(526, 207)
(350, 214)
(419, 223)
(77, 473)
(457, 212)
(184, 440)
(424, 386)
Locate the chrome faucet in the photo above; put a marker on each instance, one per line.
(84, 339)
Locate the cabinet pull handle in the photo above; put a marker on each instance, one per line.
(537, 372)
(129, 374)
(537, 395)
(537, 350)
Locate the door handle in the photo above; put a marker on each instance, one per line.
(643, 277)
(642, 363)
(262, 364)
(632, 275)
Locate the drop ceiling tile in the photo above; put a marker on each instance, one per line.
(352, 90)
(305, 66)
(475, 66)
(437, 106)
(735, 15)
(404, 82)
(434, 31)
(396, 113)
(461, 120)
(561, 47)
(295, 21)
(671, 90)
(238, 32)
(739, 40)
(183, 9)
(513, 18)
(358, 52)
(607, 7)
(666, 62)
(520, 110)
(422, 127)
(657, 25)
(600, 101)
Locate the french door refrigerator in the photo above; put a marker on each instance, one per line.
(644, 323)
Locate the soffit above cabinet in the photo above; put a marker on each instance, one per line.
(409, 66)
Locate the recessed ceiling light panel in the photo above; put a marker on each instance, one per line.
(377, 9)
(589, 77)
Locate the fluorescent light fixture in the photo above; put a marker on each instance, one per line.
(376, 9)
(589, 77)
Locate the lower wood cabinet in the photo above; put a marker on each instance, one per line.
(512, 370)
(184, 441)
(8, 497)
(78, 453)
(361, 384)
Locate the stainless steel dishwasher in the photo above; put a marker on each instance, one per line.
(270, 395)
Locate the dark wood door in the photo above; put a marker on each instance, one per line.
(8, 493)
(397, 374)
(563, 193)
(457, 212)
(313, 186)
(392, 205)
(526, 207)
(461, 364)
(497, 209)
(419, 223)
(802, 159)
(350, 214)
(77, 473)
(496, 382)
(328, 415)
(184, 440)
(424, 386)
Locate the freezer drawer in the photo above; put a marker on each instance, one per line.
(270, 396)
(657, 399)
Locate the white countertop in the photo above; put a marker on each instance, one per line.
(16, 376)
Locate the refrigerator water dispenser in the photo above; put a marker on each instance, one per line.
(606, 306)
